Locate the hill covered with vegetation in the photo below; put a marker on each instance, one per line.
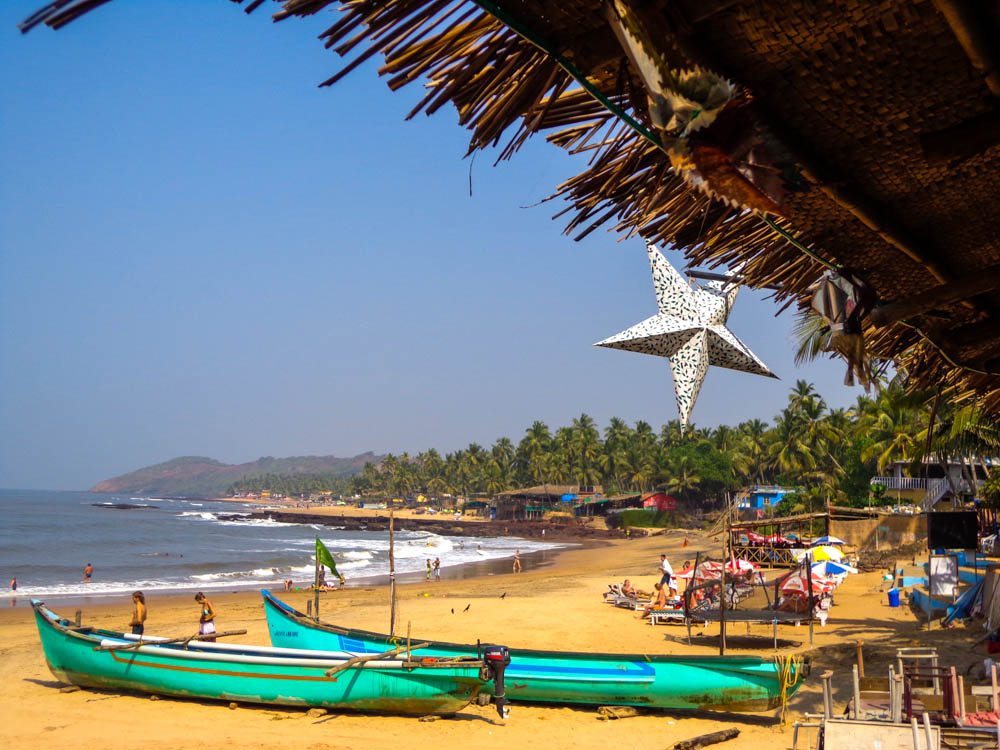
(196, 476)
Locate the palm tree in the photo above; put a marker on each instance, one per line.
(532, 449)
(683, 477)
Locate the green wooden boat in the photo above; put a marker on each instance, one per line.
(94, 658)
(723, 683)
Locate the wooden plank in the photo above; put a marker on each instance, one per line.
(841, 734)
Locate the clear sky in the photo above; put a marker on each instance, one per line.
(202, 253)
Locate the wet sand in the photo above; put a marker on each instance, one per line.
(555, 605)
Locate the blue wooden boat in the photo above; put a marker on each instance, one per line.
(91, 657)
(723, 683)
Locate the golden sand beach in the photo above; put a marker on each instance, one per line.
(556, 606)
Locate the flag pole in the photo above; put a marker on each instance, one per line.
(316, 584)
(392, 574)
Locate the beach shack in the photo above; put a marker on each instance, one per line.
(534, 502)
(602, 506)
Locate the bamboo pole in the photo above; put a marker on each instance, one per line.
(392, 573)
(181, 639)
(355, 661)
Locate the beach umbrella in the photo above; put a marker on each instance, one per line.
(827, 540)
(831, 568)
(826, 553)
(797, 584)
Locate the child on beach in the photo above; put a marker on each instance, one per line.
(206, 622)
(428, 575)
(138, 613)
(87, 573)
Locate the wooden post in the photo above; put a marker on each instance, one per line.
(392, 572)
(861, 660)
(961, 698)
(812, 599)
(916, 733)
(828, 695)
(316, 587)
(857, 692)
(309, 609)
(722, 612)
(995, 693)
(79, 617)
(927, 729)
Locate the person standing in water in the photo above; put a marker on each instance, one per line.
(206, 621)
(138, 613)
(517, 561)
(87, 573)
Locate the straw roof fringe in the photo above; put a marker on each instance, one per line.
(878, 112)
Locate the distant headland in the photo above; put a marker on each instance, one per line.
(197, 476)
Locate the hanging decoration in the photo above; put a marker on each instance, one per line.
(690, 331)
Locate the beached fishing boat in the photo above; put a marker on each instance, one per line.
(723, 683)
(91, 657)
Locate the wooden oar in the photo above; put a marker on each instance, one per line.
(183, 639)
(356, 660)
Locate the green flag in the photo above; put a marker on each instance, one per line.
(323, 557)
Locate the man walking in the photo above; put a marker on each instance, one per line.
(668, 573)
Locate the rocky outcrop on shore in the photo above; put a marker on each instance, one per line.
(561, 529)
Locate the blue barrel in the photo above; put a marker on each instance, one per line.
(893, 597)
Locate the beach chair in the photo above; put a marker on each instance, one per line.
(673, 615)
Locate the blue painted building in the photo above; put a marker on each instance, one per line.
(762, 497)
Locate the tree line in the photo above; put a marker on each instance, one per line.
(827, 454)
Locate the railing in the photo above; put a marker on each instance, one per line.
(901, 483)
(934, 489)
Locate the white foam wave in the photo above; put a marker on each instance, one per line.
(204, 515)
(356, 555)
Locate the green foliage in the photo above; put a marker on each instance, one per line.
(645, 518)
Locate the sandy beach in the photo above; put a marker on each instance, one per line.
(555, 606)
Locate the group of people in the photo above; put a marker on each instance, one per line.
(434, 569)
(666, 588)
(206, 616)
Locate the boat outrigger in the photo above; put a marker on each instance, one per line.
(400, 683)
(723, 683)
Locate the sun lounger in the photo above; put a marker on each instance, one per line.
(666, 616)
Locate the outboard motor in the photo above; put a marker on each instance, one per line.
(495, 661)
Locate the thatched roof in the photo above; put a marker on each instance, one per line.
(859, 137)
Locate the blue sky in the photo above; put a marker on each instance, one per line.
(202, 253)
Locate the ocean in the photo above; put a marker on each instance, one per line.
(46, 539)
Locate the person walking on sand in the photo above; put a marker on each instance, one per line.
(138, 613)
(87, 573)
(206, 621)
(517, 561)
(427, 576)
(667, 570)
(437, 568)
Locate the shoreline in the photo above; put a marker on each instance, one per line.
(552, 530)
(462, 571)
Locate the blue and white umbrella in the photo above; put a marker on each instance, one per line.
(827, 540)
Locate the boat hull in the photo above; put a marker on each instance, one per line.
(249, 674)
(739, 683)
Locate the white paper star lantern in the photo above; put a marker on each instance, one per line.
(690, 331)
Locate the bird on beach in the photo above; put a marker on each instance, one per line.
(453, 610)
(467, 607)
(503, 594)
